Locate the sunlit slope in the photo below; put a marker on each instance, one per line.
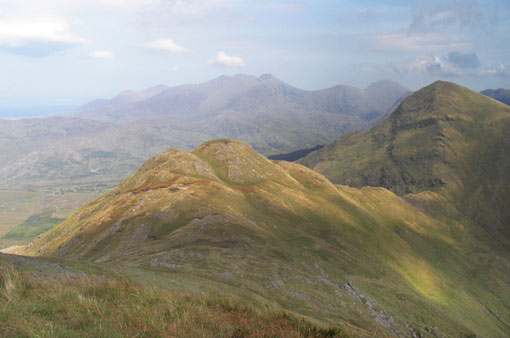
(364, 258)
(443, 138)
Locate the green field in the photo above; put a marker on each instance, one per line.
(16, 207)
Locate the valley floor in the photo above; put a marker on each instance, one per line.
(17, 206)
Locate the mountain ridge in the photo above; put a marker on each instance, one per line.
(439, 139)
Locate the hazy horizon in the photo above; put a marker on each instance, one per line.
(33, 111)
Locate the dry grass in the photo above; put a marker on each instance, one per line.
(33, 306)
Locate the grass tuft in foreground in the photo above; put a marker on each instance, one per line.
(32, 305)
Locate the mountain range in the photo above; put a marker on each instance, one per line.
(244, 96)
(106, 140)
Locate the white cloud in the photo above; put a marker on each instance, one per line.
(166, 45)
(413, 42)
(439, 66)
(193, 8)
(501, 71)
(426, 64)
(432, 15)
(102, 54)
(17, 33)
(123, 3)
(451, 65)
(64, 8)
(454, 65)
(60, 6)
(225, 60)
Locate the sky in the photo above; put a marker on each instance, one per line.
(68, 52)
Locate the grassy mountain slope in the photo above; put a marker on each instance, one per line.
(226, 218)
(444, 139)
(53, 299)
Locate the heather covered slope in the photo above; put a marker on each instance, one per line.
(362, 258)
(443, 139)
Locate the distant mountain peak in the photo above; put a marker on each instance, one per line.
(266, 76)
(385, 84)
(126, 96)
(126, 92)
(383, 81)
(158, 86)
(95, 104)
(500, 94)
(223, 78)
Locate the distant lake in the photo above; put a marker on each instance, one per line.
(20, 112)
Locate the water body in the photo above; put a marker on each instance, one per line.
(35, 111)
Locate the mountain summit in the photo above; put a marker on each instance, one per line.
(443, 138)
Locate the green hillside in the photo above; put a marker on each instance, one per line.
(443, 139)
(225, 218)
